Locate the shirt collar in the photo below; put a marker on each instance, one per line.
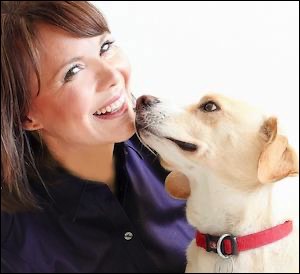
(135, 145)
(65, 191)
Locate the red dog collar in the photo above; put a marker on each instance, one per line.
(227, 244)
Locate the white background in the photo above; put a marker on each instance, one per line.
(182, 50)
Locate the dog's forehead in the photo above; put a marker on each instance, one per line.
(233, 111)
(229, 104)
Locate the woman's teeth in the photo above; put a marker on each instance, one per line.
(115, 106)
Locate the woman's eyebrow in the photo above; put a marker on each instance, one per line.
(65, 63)
(70, 61)
(77, 58)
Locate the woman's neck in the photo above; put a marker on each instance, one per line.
(94, 163)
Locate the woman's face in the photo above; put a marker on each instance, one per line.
(84, 97)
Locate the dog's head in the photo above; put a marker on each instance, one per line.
(217, 135)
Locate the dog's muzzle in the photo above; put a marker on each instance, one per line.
(146, 101)
(147, 118)
(144, 117)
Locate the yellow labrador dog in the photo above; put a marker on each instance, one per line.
(242, 194)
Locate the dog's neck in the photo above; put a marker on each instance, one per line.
(216, 208)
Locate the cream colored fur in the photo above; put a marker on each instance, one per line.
(241, 178)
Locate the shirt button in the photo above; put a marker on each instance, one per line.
(128, 236)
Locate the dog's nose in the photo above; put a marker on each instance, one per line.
(146, 101)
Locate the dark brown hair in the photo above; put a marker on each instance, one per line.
(19, 61)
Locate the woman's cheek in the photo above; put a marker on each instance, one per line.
(121, 63)
(76, 104)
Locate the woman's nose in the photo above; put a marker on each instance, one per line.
(108, 76)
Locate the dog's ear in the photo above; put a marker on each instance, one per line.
(278, 160)
(178, 185)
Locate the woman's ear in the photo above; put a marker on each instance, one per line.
(177, 185)
(31, 124)
(277, 160)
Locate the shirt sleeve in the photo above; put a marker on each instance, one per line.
(5, 265)
(10, 261)
(6, 226)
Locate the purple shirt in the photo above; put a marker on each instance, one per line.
(86, 228)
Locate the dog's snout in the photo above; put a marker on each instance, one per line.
(146, 101)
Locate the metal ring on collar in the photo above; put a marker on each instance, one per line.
(219, 245)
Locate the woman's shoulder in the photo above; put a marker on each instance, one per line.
(13, 225)
(6, 225)
(15, 243)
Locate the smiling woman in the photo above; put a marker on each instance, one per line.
(19, 63)
(75, 180)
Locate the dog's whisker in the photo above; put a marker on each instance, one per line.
(149, 125)
(156, 157)
(149, 148)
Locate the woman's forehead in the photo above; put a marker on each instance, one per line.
(57, 48)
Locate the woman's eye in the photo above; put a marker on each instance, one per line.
(106, 47)
(71, 72)
(210, 107)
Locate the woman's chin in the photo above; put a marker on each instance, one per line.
(125, 133)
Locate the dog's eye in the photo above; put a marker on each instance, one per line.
(210, 107)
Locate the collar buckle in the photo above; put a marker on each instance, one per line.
(221, 249)
(216, 244)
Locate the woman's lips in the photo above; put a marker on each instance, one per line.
(114, 114)
(113, 106)
(112, 100)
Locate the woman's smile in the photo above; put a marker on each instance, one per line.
(114, 109)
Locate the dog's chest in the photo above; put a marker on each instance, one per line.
(279, 257)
